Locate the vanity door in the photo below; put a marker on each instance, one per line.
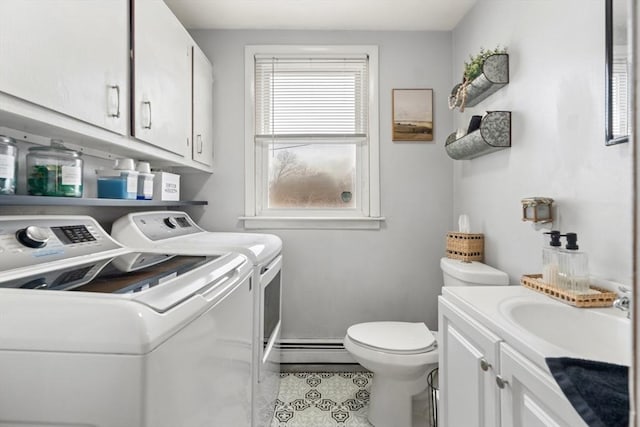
(467, 371)
(530, 397)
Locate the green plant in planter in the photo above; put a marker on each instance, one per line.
(472, 69)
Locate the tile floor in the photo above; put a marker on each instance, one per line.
(330, 399)
(323, 399)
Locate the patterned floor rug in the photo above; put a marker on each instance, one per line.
(323, 399)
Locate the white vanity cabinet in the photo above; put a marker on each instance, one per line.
(161, 100)
(484, 382)
(467, 371)
(68, 56)
(202, 108)
(531, 397)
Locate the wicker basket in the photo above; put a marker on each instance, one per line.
(465, 246)
(604, 297)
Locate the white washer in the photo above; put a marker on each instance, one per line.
(176, 232)
(94, 334)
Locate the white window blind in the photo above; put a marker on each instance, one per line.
(305, 97)
(620, 101)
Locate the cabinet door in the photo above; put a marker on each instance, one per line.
(468, 361)
(68, 56)
(531, 397)
(161, 106)
(202, 108)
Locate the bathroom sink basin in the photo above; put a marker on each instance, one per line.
(595, 334)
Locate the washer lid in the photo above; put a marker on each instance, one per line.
(393, 337)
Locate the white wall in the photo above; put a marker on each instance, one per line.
(333, 279)
(556, 93)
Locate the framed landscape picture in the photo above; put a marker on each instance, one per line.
(412, 115)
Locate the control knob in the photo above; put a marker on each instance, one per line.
(33, 237)
(170, 222)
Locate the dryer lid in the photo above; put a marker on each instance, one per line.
(393, 337)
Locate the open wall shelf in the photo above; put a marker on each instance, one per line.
(495, 75)
(494, 135)
(19, 200)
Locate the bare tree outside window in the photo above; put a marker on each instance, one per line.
(312, 176)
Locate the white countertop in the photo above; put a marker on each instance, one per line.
(489, 305)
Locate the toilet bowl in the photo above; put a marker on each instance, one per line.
(398, 354)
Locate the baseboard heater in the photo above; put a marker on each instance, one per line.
(316, 351)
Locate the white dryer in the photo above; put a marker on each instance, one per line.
(177, 232)
(94, 334)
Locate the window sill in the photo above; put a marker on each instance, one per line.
(311, 223)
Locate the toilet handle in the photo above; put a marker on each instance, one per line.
(484, 365)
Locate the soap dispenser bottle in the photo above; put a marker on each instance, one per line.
(550, 259)
(573, 267)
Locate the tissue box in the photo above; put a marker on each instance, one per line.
(166, 186)
(465, 246)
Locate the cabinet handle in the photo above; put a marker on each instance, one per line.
(484, 365)
(148, 104)
(116, 88)
(199, 141)
(501, 382)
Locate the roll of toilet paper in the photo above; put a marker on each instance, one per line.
(463, 224)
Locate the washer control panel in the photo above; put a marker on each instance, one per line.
(71, 234)
(26, 241)
(164, 225)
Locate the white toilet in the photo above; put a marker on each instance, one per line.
(399, 353)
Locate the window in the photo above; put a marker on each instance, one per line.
(620, 95)
(311, 137)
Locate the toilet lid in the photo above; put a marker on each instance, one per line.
(393, 337)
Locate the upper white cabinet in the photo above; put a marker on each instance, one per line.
(115, 77)
(68, 56)
(202, 108)
(162, 64)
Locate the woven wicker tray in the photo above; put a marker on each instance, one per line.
(603, 297)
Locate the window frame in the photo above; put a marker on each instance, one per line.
(256, 179)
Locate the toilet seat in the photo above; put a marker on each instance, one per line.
(393, 337)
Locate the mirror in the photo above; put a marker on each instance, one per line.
(617, 66)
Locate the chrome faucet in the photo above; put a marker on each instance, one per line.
(623, 302)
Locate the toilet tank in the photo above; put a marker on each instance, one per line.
(459, 273)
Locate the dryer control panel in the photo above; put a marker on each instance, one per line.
(154, 226)
(26, 241)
